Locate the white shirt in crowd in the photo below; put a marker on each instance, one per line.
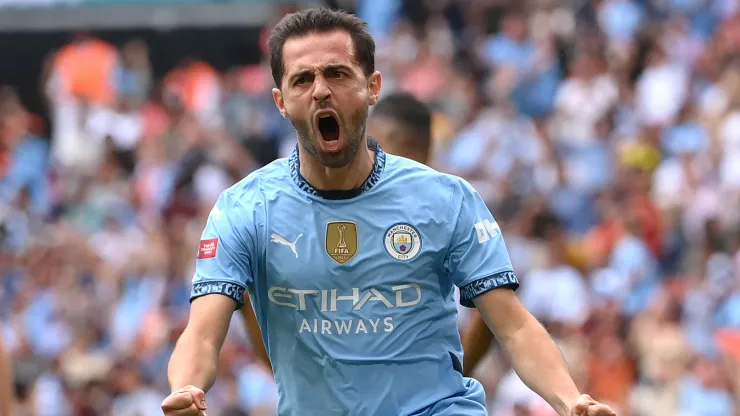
(661, 91)
(556, 294)
(580, 104)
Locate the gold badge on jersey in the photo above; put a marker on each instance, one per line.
(341, 240)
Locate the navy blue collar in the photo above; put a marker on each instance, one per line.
(372, 180)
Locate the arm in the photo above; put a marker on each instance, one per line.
(222, 274)
(476, 262)
(255, 333)
(6, 383)
(195, 358)
(533, 354)
(479, 264)
(476, 340)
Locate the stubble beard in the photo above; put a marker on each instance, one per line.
(354, 135)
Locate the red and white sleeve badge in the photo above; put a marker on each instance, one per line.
(207, 249)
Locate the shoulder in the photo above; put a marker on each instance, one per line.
(261, 184)
(425, 186)
(424, 178)
(244, 204)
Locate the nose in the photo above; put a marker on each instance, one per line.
(321, 91)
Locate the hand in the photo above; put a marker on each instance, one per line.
(187, 401)
(586, 406)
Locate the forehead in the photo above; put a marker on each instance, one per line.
(316, 50)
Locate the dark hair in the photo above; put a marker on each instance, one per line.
(320, 20)
(412, 116)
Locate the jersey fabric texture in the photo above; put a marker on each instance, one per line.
(354, 290)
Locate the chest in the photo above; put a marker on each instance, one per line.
(317, 246)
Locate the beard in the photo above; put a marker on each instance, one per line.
(353, 133)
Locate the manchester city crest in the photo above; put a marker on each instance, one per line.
(402, 242)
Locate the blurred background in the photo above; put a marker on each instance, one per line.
(605, 135)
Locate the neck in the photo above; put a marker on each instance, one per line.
(351, 176)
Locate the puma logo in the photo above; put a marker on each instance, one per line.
(281, 240)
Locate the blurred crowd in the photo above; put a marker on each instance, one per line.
(605, 136)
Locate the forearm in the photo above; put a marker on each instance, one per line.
(194, 362)
(541, 366)
(476, 340)
(6, 384)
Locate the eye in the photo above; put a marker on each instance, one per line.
(336, 74)
(300, 81)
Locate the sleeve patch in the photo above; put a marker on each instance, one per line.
(207, 249)
(230, 289)
(504, 279)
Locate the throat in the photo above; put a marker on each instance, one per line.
(346, 178)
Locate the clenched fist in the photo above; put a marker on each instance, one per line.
(187, 401)
(586, 406)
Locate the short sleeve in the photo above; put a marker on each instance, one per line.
(223, 264)
(477, 260)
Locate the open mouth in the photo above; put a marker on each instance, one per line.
(328, 127)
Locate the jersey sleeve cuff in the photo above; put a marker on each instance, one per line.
(232, 290)
(478, 287)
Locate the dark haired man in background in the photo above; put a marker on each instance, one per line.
(403, 127)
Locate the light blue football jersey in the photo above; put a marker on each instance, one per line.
(354, 290)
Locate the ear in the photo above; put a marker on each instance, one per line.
(277, 96)
(375, 81)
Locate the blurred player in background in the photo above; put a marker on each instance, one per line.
(403, 127)
(350, 256)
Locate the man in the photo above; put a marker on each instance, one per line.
(402, 126)
(23, 157)
(350, 256)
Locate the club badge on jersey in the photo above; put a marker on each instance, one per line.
(402, 242)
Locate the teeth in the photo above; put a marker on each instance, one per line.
(325, 116)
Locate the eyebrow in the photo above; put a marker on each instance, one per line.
(337, 67)
(330, 67)
(299, 74)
